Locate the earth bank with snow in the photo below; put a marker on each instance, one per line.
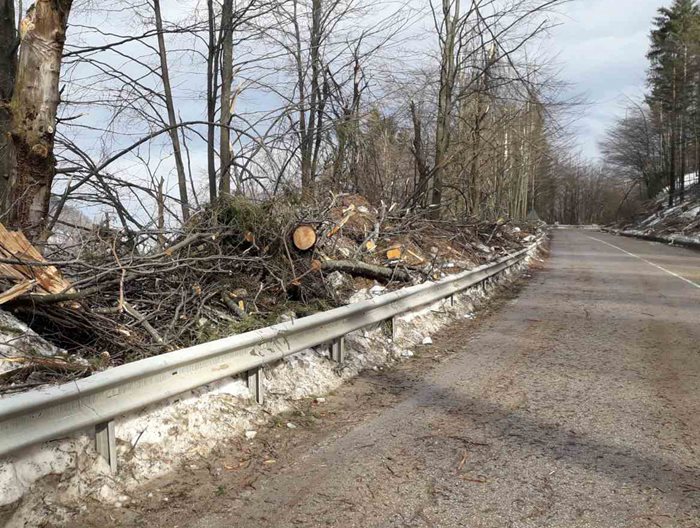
(679, 224)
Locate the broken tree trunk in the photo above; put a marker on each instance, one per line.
(304, 237)
(371, 271)
(33, 106)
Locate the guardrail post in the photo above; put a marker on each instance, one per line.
(337, 350)
(392, 328)
(106, 444)
(452, 301)
(255, 384)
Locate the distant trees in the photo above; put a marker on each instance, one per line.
(490, 132)
(633, 147)
(656, 144)
(575, 191)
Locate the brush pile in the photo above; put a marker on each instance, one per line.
(233, 268)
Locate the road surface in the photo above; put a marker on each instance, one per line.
(576, 404)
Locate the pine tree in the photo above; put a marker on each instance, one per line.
(674, 56)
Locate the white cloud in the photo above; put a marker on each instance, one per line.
(603, 46)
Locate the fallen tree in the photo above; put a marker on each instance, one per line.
(363, 269)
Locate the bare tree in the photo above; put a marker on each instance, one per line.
(172, 119)
(633, 147)
(448, 29)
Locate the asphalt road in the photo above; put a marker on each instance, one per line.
(576, 405)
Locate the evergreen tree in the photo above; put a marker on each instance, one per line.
(673, 79)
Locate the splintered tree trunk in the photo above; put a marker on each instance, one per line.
(8, 65)
(418, 152)
(34, 104)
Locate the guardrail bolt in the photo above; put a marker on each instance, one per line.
(337, 350)
(255, 384)
(106, 444)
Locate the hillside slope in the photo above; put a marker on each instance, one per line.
(676, 225)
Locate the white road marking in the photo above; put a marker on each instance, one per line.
(648, 262)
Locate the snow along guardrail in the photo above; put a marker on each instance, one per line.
(54, 412)
(672, 240)
(585, 227)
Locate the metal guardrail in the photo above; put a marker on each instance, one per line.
(54, 412)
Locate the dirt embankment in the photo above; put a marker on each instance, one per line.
(679, 224)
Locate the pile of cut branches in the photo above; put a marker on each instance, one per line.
(235, 267)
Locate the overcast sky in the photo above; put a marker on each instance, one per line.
(602, 46)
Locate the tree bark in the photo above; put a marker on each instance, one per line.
(8, 66)
(34, 105)
(309, 127)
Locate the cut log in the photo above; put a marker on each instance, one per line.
(362, 269)
(394, 253)
(304, 237)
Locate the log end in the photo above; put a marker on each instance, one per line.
(304, 237)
